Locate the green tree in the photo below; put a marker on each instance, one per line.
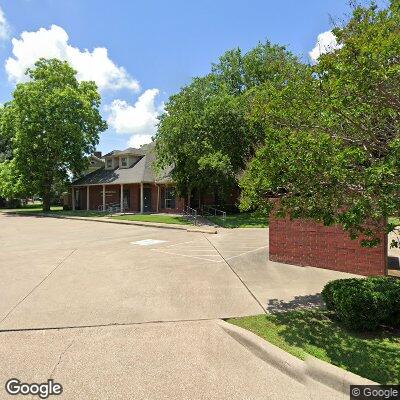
(198, 134)
(205, 132)
(332, 153)
(54, 121)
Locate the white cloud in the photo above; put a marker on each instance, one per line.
(326, 42)
(139, 119)
(53, 43)
(137, 141)
(4, 28)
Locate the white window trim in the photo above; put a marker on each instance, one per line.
(168, 198)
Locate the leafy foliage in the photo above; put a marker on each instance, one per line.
(364, 304)
(205, 133)
(53, 122)
(332, 141)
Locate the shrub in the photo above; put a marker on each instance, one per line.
(331, 288)
(14, 203)
(364, 304)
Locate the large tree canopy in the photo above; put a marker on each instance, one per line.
(205, 132)
(52, 122)
(332, 146)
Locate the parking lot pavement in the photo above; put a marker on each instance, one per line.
(275, 285)
(67, 273)
(183, 360)
(91, 273)
(127, 312)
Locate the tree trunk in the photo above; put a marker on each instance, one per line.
(188, 196)
(46, 200)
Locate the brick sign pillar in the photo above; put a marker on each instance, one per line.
(307, 243)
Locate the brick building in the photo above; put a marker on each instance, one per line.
(126, 180)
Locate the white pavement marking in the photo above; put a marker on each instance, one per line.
(148, 242)
(201, 248)
(177, 244)
(185, 255)
(246, 252)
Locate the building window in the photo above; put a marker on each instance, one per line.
(109, 163)
(169, 197)
(124, 162)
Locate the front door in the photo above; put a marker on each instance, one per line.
(147, 199)
(126, 200)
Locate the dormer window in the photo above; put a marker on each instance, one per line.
(109, 163)
(124, 162)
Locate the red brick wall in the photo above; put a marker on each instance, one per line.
(113, 193)
(154, 194)
(307, 243)
(95, 197)
(134, 194)
(179, 203)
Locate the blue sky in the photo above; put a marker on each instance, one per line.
(153, 47)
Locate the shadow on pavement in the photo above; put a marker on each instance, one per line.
(299, 302)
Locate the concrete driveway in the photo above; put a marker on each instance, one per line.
(167, 287)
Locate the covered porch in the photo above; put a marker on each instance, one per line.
(133, 198)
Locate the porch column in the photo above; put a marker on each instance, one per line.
(104, 197)
(141, 198)
(122, 198)
(73, 199)
(87, 198)
(158, 197)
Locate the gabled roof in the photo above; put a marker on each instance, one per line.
(93, 157)
(129, 150)
(140, 172)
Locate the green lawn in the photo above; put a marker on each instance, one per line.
(376, 357)
(56, 210)
(32, 208)
(81, 213)
(240, 220)
(163, 219)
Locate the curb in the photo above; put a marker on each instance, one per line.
(115, 221)
(309, 372)
(271, 354)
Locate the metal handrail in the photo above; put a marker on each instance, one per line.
(214, 211)
(110, 207)
(190, 213)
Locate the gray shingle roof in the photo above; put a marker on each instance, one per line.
(141, 171)
(129, 150)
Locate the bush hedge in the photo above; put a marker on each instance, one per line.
(364, 304)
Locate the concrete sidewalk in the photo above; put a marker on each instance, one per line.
(187, 360)
(181, 360)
